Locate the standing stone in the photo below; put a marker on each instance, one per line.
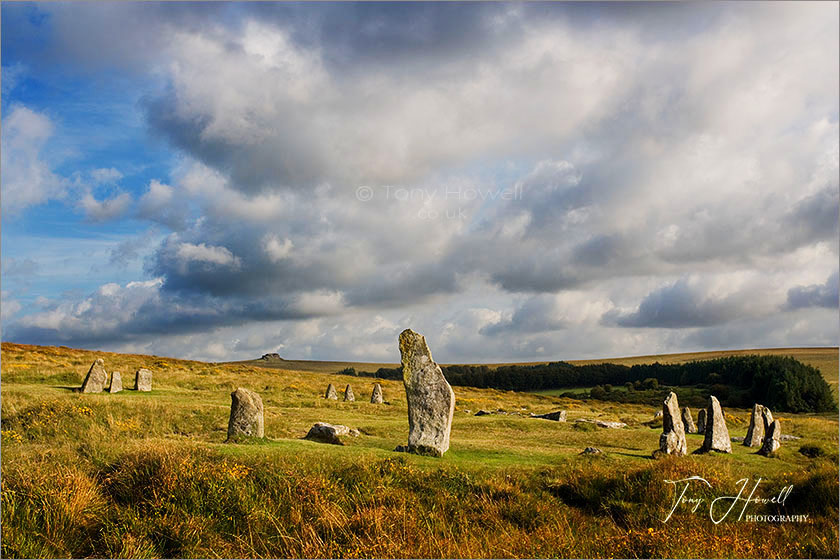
(672, 440)
(688, 422)
(772, 439)
(246, 414)
(755, 433)
(96, 377)
(717, 436)
(143, 380)
(331, 394)
(431, 401)
(376, 396)
(348, 394)
(701, 421)
(116, 383)
(767, 419)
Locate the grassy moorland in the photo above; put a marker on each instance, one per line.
(148, 475)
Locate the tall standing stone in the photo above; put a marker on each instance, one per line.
(143, 380)
(96, 377)
(331, 394)
(767, 419)
(431, 401)
(348, 394)
(672, 440)
(116, 383)
(701, 421)
(755, 433)
(246, 414)
(717, 436)
(376, 396)
(772, 439)
(688, 421)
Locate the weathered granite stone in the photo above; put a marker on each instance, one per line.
(331, 394)
(688, 421)
(143, 380)
(96, 377)
(672, 440)
(557, 416)
(755, 432)
(658, 414)
(376, 395)
(431, 401)
(246, 414)
(602, 423)
(766, 418)
(591, 451)
(348, 394)
(272, 357)
(717, 436)
(330, 433)
(483, 413)
(772, 439)
(701, 421)
(116, 383)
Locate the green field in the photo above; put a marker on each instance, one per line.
(148, 475)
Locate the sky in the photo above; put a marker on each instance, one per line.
(518, 182)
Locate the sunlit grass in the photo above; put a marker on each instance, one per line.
(146, 474)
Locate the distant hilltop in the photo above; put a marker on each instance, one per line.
(273, 357)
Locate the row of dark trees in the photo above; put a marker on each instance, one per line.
(779, 382)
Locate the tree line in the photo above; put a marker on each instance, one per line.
(780, 382)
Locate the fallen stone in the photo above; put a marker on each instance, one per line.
(558, 416)
(376, 395)
(788, 437)
(716, 436)
(603, 423)
(246, 414)
(331, 394)
(737, 439)
(688, 421)
(431, 401)
(116, 383)
(701, 421)
(772, 439)
(672, 440)
(657, 415)
(330, 433)
(591, 451)
(755, 432)
(143, 380)
(348, 394)
(96, 377)
(483, 413)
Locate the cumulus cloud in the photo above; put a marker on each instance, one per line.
(692, 302)
(28, 179)
(675, 172)
(814, 295)
(105, 210)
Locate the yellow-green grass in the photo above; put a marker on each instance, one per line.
(147, 474)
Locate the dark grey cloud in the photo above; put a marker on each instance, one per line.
(814, 295)
(676, 306)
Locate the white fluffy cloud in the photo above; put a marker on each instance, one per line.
(27, 178)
